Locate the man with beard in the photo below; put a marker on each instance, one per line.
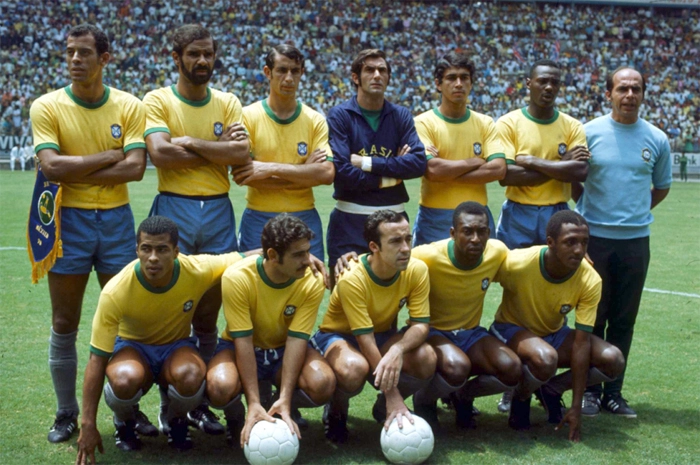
(193, 134)
(545, 151)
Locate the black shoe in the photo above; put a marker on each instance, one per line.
(464, 412)
(335, 425)
(179, 434)
(617, 405)
(205, 420)
(125, 436)
(590, 405)
(553, 404)
(63, 427)
(234, 424)
(379, 409)
(143, 425)
(428, 412)
(301, 422)
(519, 418)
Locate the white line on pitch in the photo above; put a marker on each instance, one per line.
(13, 248)
(661, 291)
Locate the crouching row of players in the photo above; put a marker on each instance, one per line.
(271, 303)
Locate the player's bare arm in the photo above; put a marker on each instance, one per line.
(564, 170)
(442, 170)
(389, 367)
(395, 405)
(294, 356)
(131, 168)
(248, 370)
(658, 195)
(580, 363)
(316, 170)
(165, 154)
(64, 168)
(517, 175)
(232, 147)
(93, 382)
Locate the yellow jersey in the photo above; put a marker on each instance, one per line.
(284, 141)
(73, 127)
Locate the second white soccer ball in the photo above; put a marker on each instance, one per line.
(411, 444)
(271, 444)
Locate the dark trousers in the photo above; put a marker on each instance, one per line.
(622, 265)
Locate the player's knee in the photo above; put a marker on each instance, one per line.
(126, 381)
(423, 362)
(454, 369)
(613, 362)
(222, 389)
(351, 374)
(543, 362)
(187, 377)
(509, 369)
(65, 320)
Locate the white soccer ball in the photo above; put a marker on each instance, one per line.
(411, 444)
(271, 444)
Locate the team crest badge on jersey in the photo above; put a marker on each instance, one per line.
(218, 128)
(188, 306)
(646, 155)
(302, 149)
(477, 149)
(289, 310)
(402, 302)
(562, 149)
(116, 131)
(566, 308)
(484, 284)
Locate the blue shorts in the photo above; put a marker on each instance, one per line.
(268, 361)
(104, 239)
(253, 222)
(433, 224)
(155, 355)
(205, 224)
(521, 226)
(505, 332)
(346, 234)
(321, 340)
(462, 338)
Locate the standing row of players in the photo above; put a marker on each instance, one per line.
(367, 147)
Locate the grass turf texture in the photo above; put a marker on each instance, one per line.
(662, 382)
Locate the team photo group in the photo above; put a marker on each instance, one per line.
(572, 279)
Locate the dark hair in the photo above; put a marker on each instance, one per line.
(609, 78)
(286, 50)
(470, 208)
(547, 63)
(155, 225)
(101, 39)
(279, 233)
(563, 217)
(185, 35)
(375, 220)
(453, 59)
(359, 61)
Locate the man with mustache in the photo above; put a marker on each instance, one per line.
(270, 304)
(629, 152)
(194, 133)
(290, 152)
(545, 151)
(88, 137)
(358, 335)
(541, 286)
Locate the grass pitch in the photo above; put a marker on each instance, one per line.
(662, 384)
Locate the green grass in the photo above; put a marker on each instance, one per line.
(662, 384)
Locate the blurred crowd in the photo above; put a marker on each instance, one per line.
(503, 38)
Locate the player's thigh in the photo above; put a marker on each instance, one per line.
(223, 379)
(116, 246)
(532, 349)
(416, 362)
(184, 369)
(316, 373)
(606, 357)
(452, 362)
(490, 356)
(128, 372)
(347, 362)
